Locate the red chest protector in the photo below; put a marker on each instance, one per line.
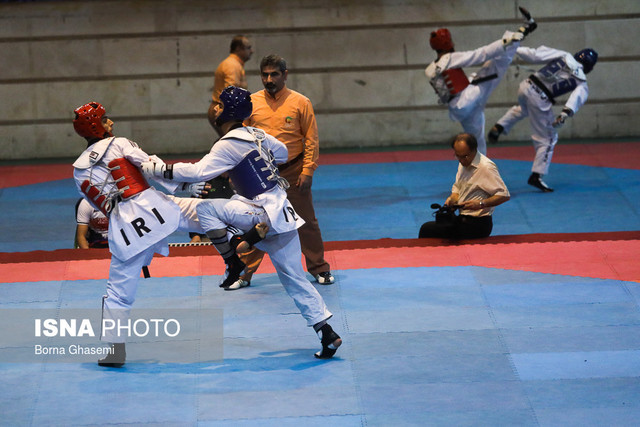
(456, 80)
(128, 177)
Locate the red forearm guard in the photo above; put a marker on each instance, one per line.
(96, 198)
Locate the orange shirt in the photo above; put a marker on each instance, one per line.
(229, 72)
(290, 118)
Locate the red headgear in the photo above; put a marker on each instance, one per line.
(88, 121)
(441, 40)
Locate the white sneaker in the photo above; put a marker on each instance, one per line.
(325, 278)
(237, 285)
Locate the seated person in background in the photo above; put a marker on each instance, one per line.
(92, 226)
(478, 189)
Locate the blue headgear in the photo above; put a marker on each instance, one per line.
(588, 58)
(236, 103)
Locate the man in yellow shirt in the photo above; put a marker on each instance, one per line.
(230, 72)
(477, 190)
(288, 115)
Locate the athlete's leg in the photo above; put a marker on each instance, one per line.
(215, 215)
(189, 216)
(116, 304)
(474, 124)
(284, 251)
(544, 136)
(513, 115)
(121, 292)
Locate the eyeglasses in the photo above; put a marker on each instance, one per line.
(464, 156)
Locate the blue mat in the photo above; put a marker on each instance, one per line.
(423, 346)
(373, 201)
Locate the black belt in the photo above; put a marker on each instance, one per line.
(484, 79)
(539, 85)
(290, 162)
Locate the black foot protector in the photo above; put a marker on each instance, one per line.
(243, 243)
(536, 180)
(235, 267)
(530, 23)
(252, 236)
(330, 342)
(116, 358)
(525, 13)
(494, 133)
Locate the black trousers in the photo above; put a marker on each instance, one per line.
(462, 227)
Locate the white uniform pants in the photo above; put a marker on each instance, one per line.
(468, 107)
(121, 292)
(533, 103)
(283, 249)
(124, 276)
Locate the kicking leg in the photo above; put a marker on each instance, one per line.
(527, 28)
(216, 215)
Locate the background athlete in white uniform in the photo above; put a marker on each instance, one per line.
(140, 217)
(563, 73)
(250, 157)
(467, 97)
(92, 226)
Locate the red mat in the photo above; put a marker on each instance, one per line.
(610, 154)
(614, 259)
(14, 176)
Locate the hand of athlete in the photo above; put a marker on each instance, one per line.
(559, 121)
(196, 189)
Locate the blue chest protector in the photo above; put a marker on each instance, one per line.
(557, 77)
(251, 176)
(256, 173)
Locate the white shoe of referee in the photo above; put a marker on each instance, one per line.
(325, 278)
(240, 283)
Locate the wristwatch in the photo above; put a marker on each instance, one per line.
(482, 204)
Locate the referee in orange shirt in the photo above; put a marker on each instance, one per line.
(288, 115)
